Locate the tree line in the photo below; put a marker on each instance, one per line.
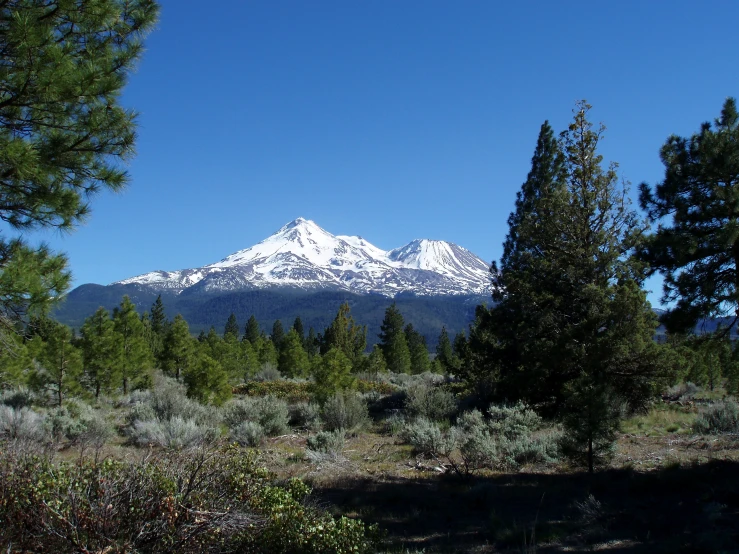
(116, 353)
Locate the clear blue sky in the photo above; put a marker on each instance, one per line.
(391, 119)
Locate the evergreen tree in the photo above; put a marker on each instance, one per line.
(101, 353)
(312, 343)
(232, 328)
(571, 319)
(268, 355)
(207, 382)
(58, 366)
(249, 360)
(698, 251)
(278, 334)
(14, 361)
(63, 133)
(444, 352)
(158, 319)
(252, 331)
(135, 358)
(376, 361)
(179, 349)
(331, 373)
(418, 350)
(298, 326)
(393, 342)
(293, 361)
(345, 335)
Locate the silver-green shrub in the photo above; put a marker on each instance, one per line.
(427, 438)
(345, 410)
(325, 446)
(172, 433)
(305, 415)
(247, 433)
(22, 424)
(429, 401)
(271, 413)
(719, 418)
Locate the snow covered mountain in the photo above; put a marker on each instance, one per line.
(302, 255)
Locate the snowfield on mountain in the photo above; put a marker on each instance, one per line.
(303, 255)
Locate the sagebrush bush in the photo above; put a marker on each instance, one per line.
(200, 501)
(305, 415)
(268, 373)
(432, 402)
(271, 413)
(513, 421)
(325, 446)
(247, 433)
(79, 424)
(426, 437)
(719, 418)
(22, 424)
(682, 391)
(172, 433)
(345, 410)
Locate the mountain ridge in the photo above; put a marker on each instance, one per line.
(302, 255)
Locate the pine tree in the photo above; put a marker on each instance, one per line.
(159, 323)
(252, 331)
(571, 319)
(376, 361)
(444, 352)
(249, 360)
(135, 356)
(331, 373)
(345, 335)
(232, 328)
(14, 361)
(418, 350)
(207, 382)
(298, 326)
(179, 348)
(101, 353)
(278, 334)
(58, 367)
(393, 342)
(63, 132)
(698, 251)
(312, 343)
(293, 361)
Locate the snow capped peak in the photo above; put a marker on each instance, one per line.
(303, 255)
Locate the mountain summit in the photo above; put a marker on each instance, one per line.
(304, 256)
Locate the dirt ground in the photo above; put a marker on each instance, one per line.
(672, 493)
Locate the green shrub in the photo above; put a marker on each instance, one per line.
(17, 398)
(719, 418)
(248, 433)
(430, 402)
(270, 413)
(201, 501)
(268, 373)
(345, 410)
(380, 387)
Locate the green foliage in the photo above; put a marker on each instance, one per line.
(178, 349)
(14, 361)
(62, 131)
(207, 382)
(331, 373)
(344, 335)
(305, 415)
(697, 251)
(325, 446)
(427, 438)
(232, 327)
(247, 433)
(418, 350)
(206, 500)
(136, 358)
(345, 410)
(278, 334)
(444, 352)
(252, 333)
(721, 417)
(293, 361)
(22, 424)
(172, 433)
(57, 363)
(393, 341)
(101, 353)
(375, 363)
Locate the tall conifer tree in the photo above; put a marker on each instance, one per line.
(393, 341)
(135, 355)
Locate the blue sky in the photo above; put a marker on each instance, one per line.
(391, 119)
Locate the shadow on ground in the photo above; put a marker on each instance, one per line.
(674, 509)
